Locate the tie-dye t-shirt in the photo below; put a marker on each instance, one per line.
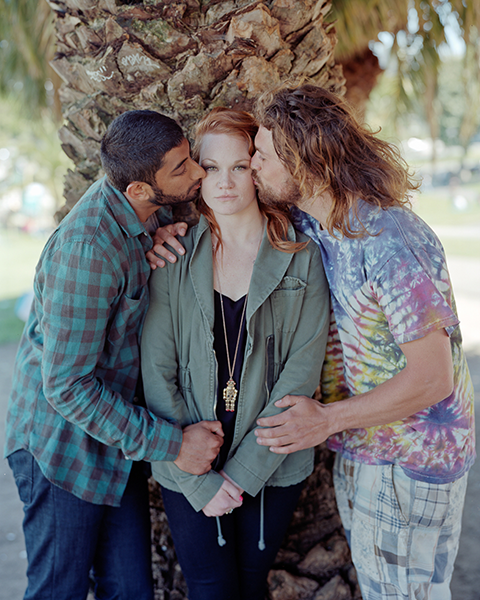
(390, 288)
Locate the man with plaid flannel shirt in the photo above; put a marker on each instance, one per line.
(76, 428)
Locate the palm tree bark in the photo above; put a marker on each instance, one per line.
(180, 58)
(183, 58)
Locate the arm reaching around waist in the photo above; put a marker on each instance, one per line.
(200, 446)
(426, 380)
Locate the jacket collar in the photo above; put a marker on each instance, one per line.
(269, 269)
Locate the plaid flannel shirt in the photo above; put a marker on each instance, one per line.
(73, 400)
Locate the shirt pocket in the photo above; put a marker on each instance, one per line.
(287, 301)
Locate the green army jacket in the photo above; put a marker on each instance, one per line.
(287, 318)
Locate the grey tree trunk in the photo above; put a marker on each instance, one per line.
(183, 58)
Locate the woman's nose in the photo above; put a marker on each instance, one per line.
(225, 181)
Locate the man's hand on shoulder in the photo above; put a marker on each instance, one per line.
(303, 425)
(166, 235)
(201, 444)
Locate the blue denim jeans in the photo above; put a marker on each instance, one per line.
(66, 538)
(237, 570)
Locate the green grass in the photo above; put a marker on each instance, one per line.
(19, 253)
(11, 326)
(461, 247)
(437, 209)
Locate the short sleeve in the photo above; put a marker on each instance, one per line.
(414, 293)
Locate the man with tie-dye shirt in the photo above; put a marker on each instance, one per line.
(404, 429)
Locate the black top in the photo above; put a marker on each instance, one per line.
(233, 315)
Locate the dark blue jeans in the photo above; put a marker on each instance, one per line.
(238, 570)
(66, 537)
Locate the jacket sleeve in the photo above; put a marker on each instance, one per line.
(79, 290)
(160, 382)
(252, 465)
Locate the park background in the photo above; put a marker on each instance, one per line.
(425, 99)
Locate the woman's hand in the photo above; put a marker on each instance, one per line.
(227, 478)
(227, 498)
(166, 235)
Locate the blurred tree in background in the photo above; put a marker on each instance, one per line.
(30, 111)
(405, 38)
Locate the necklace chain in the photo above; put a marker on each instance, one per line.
(230, 391)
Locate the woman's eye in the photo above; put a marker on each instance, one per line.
(241, 168)
(209, 168)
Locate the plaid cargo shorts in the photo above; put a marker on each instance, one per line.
(403, 533)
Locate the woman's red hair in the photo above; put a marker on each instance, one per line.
(242, 124)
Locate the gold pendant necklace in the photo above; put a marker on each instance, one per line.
(230, 392)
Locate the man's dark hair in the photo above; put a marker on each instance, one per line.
(135, 144)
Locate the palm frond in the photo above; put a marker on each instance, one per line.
(26, 47)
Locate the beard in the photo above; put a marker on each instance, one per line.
(288, 195)
(162, 199)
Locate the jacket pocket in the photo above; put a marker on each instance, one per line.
(191, 410)
(287, 301)
(184, 380)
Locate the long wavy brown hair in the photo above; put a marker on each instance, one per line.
(242, 124)
(318, 138)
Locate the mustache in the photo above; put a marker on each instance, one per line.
(194, 185)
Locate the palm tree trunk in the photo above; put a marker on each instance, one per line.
(183, 58)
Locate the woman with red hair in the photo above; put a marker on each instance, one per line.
(238, 322)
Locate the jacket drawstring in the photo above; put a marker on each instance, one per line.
(220, 539)
(261, 541)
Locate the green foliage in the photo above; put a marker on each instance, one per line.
(425, 78)
(26, 46)
(35, 151)
(456, 104)
(401, 117)
(358, 23)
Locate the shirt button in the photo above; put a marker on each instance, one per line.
(127, 457)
